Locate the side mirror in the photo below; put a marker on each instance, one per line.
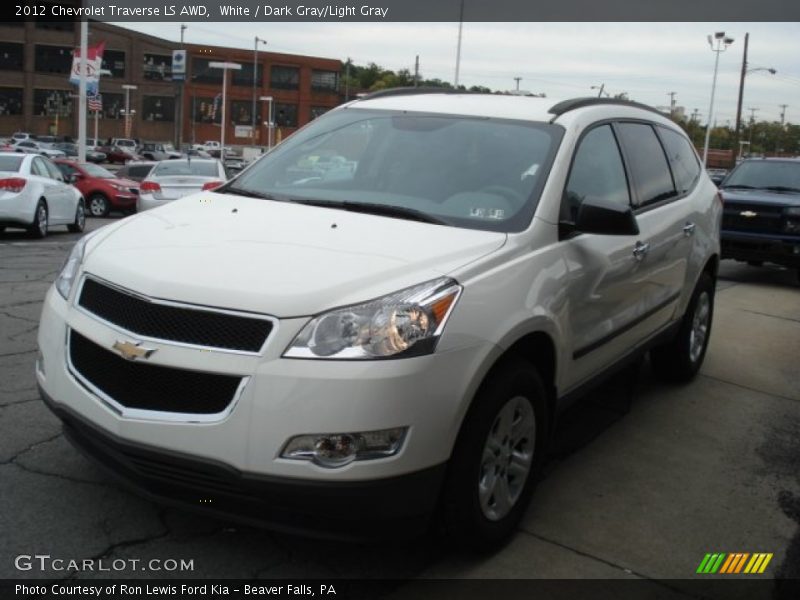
(604, 218)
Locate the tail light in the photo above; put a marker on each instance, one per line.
(149, 187)
(211, 185)
(12, 184)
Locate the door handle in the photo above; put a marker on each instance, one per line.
(640, 250)
(688, 229)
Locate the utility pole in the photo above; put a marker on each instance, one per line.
(347, 80)
(180, 100)
(517, 79)
(255, 80)
(416, 71)
(737, 130)
(671, 103)
(780, 133)
(458, 48)
(752, 124)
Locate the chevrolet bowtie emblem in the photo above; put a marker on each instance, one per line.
(748, 213)
(132, 350)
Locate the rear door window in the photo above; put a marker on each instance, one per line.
(650, 172)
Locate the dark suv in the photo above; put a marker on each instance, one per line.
(761, 222)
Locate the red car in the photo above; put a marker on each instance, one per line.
(102, 189)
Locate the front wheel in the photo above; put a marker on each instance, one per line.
(497, 456)
(680, 359)
(98, 205)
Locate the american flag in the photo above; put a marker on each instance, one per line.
(95, 103)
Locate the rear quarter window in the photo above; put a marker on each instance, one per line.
(682, 159)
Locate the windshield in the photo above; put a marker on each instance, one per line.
(763, 174)
(10, 163)
(183, 167)
(470, 172)
(97, 171)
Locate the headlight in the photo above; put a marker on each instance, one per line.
(406, 323)
(66, 278)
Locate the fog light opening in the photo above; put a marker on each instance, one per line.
(334, 450)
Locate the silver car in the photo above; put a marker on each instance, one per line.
(35, 147)
(173, 179)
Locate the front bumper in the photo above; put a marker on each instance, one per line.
(363, 510)
(281, 398)
(782, 250)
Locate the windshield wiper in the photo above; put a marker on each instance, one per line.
(249, 193)
(781, 188)
(386, 210)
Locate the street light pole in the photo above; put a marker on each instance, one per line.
(224, 66)
(722, 45)
(255, 78)
(180, 99)
(128, 88)
(268, 100)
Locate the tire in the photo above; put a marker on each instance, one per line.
(38, 228)
(680, 359)
(480, 509)
(99, 205)
(80, 219)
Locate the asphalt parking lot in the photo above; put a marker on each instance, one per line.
(639, 486)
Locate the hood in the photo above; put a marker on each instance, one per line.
(760, 197)
(277, 258)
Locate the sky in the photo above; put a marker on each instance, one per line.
(563, 60)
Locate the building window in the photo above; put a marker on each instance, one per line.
(10, 101)
(11, 56)
(203, 73)
(49, 103)
(286, 115)
(241, 112)
(157, 67)
(113, 105)
(52, 59)
(56, 25)
(324, 81)
(245, 75)
(114, 61)
(158, 108)
(206, 109)
(284, 78)
(318, 111)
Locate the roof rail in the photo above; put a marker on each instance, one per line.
(568, 105)
(409, 91)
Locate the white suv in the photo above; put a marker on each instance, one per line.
(385, 315)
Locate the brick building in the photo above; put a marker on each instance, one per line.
(36, 96)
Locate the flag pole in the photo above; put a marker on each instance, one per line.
(82, 92)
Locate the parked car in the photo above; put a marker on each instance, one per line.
(158, 151)
(36, 147)
(135, 170)
(22, 135)
(103, 190)
(34, 195)
(761, 222)
(119, 154)
(717, 175)
(333, 351)
(196, 153)
(173, 179)
(71, 150)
